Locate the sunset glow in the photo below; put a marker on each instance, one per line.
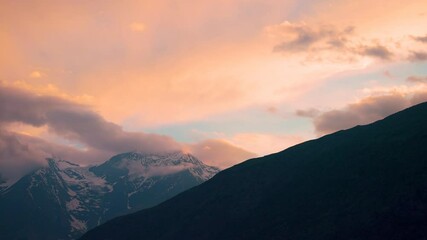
(223, 80)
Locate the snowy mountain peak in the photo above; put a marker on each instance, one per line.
(60, 163)
(138, 164)
(160, 159)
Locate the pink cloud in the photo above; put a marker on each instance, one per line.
(365, 111)
(101, 138)
(219, 153)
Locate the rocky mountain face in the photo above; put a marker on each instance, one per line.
(63, 200)
(365, 183)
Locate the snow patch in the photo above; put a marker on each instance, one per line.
(62, 164)
(84, 178)
(74, 205)
(204, 173)
(8, 182)
(153, 165)
(71, 193)
(138, 170)
(77, 225)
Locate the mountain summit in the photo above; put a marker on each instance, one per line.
(368, 182)
(63, 200)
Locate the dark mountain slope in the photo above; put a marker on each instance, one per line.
(368, 182)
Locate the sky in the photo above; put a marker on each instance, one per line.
(223, 80)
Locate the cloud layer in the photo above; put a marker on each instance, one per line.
(300, 37)
(331, 43)
(311, 40)
(418, 56)
(20, 154)
(417, 79)
(365, 111)
(422, 39)
(79, 124)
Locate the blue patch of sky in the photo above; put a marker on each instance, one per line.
(301, 8)
(339, 88)
(342, 89)
(252, 120)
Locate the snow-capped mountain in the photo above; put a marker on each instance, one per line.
(63, 199)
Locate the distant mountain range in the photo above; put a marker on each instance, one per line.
(63, 199)
(368, 182)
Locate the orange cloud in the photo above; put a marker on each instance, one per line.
(48, 89)
(137, 27)
(35, 74)
(263, 143)
(220, 153)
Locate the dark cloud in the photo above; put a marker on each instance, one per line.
(366, 111)
(311, 40)
(422, 39)
(417, 79)
(417, 56)
(21, 106)
(301, 37)
(302, 42)
(17, 157)
(101, 139)
(377, 51)
(76, 122)
(91, 129)
(20, 154)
